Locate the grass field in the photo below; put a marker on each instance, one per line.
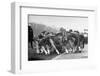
(32, 55)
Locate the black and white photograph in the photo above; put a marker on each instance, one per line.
(55, 37)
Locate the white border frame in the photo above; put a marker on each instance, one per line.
(16, 35)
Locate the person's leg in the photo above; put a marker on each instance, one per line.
(31, 44)
(66, 50)
(44, 50)
(37, 47)
(52, 43)
(48, 49)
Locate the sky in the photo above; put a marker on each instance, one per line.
(67, 22)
